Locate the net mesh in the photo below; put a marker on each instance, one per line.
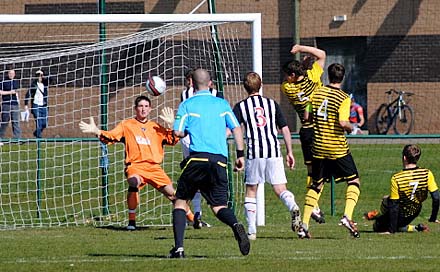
(58, 179)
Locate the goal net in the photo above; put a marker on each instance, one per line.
(97, 65)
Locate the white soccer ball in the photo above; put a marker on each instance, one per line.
(155, 85)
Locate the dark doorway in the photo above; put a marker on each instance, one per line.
(350, 52)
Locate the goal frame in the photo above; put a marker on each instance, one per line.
(252, 18)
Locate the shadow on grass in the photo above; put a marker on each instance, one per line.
(155, 256)
(123, 228)
(295, 238)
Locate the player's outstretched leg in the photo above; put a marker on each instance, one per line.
(132, 203)
(311, 200)
(177, 253)
(303, 232)
(242, 238)
(317, 214)
(413, 228)
(421, 227)
(169, 192)
(197, 206)
(227, 216)
(351, 198)
(289, 201)
(350, 225)
(179, 224)
(250, 211)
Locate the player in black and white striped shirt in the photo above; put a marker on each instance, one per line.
(189, 90)
(261, 118)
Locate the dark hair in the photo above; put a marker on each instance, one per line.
(412, 153)
(189, 73)
(336, 73)
(140, 98)
(293, 67)
(252, 82)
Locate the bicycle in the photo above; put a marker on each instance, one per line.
(396, 113)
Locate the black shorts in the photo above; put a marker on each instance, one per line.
(205, 172)
(341, 169)
(382, 222)
(306, 139)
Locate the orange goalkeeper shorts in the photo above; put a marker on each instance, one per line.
(152, 174)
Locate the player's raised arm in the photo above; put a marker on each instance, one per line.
(316, 52)
(89, 128)
(167, 116)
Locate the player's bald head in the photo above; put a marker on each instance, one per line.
(202, 79)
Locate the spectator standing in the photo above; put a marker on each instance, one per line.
(38, 96)
(357, 119)
(10, 105)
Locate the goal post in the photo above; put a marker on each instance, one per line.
(56, 180)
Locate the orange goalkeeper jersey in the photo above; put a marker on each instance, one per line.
(143, 141)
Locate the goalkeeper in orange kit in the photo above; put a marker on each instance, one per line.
(144, 140)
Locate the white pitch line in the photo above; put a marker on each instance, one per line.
(142, 259)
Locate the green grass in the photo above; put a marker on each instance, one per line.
(89, 248)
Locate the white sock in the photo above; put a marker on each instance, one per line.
(289, 200)
(197, 203)
(250, 211)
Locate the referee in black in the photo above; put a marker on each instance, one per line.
(205, 119)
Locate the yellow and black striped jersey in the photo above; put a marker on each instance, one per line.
(330, 105)
(299, 93)
(411, 187)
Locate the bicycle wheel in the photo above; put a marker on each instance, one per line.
(404, 122)
(382, 119)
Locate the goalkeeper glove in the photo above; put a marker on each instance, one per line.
(167, 116)
(89, 128)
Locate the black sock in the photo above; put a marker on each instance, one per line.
(227, 216)
(179, 224)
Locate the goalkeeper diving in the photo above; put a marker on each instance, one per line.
(144, 140)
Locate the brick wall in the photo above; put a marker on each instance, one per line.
(424, 103)
(403, 40)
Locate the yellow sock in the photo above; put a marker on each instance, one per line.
(351, 198)
(311, 201)
(309, 182)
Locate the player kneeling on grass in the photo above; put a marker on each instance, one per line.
(261, 118)
(144, 140)
(409, 188)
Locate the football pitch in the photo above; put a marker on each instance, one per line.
(331, 248)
